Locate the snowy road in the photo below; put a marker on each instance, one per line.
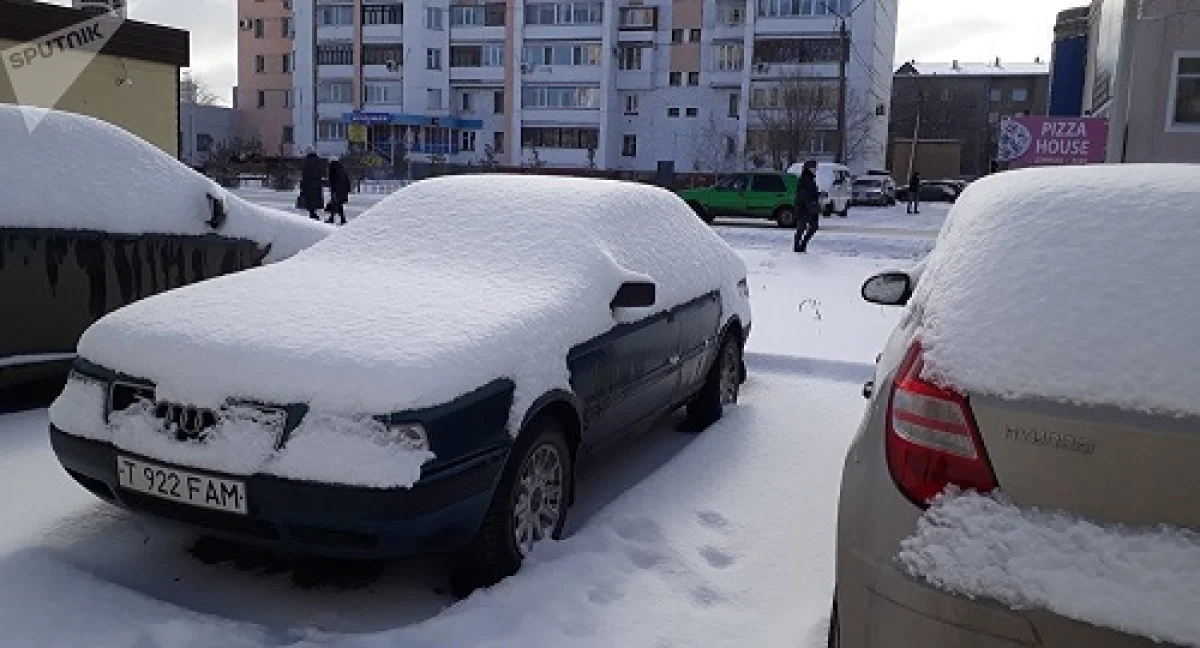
(721, 539)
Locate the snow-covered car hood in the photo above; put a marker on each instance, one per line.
(446, 285)
(74, 172)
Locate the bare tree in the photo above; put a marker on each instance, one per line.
(860, 122)
(194, 90)
(714, 148)
(792, 118)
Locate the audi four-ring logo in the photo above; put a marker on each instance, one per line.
(187, 423)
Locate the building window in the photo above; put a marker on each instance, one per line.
(467, 103)
(331, 130)
(676, 35)
(262, 99)
(562, 54)
(729, 57)
(466, 16)
(564, 13)
(466, 141)
(498, 141)
(340, 92)
(433, 99)
(389, 54)
(692, 112)
(335, 54)
(693, 78)
(731, 15)
(433, 59)
(287, 99)
(802, 8)
(816, 93)
(638, 18)
(494, 14)
(204, 142)
(629, 146)
(995, 95)
(260, 28)
(466, 56)
(434, 19)
(560, 97)
(289, 135)
(335, 15)
(735, 104)
(383, 92)
(797, 50)
(630, 57)
(675, 79)
(383, 14)
(498, 102)
(287, 27)
(260, 63)
(631, 103)
(560, 138)
(493, 55)
(1185, 92)
(730, 146)
(288, 63)
(993, 117)
(672, 112)
(1020, 95)
(694, 36)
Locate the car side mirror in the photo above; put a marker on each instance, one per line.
(216, 209)
(635, 294)
(888, 289)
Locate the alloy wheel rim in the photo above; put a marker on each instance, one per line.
(539, 501)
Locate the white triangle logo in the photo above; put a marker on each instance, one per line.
(42, 70)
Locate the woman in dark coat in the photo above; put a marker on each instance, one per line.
(339, 191)
(312, 195)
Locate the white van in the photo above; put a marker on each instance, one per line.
(836, 185)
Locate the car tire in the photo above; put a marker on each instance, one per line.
(834, 639)
(721, 387)
(539, 474)
(827, 211)
(845, 211)
(785, 217)
(701, 212)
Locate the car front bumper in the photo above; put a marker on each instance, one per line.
(440, 513)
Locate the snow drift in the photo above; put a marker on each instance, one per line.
(1140, 581)
(78, 173)
(1072, 284)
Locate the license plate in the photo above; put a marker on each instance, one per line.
(181, 486)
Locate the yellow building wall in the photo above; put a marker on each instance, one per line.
(149, 108)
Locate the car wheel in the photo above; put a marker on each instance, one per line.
(701, 212)
(721, 387)
(528, 507)
(845, 211)
(835, 627)
(785, 217)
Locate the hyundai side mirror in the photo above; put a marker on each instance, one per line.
(635, 294)
(888, 289)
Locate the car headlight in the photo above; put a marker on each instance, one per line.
(410, 436)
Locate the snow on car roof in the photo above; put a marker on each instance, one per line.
(1072, 284)
(443, 286)
(78, 173)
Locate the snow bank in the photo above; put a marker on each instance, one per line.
(78, 173)
(1072, 284)
(1140, 581)
(437, 290)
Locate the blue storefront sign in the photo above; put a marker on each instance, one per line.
(400, 119)
(358, 117)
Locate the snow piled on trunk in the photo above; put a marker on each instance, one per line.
(1141, 581)
(1072, 284)
(78, 173)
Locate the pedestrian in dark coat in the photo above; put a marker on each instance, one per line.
(312, 194)
(808, 207)
(914, 193)
(339, 191)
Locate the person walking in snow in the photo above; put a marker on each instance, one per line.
(312, 195)
(808, 207)
(339, 191)
(914, 193)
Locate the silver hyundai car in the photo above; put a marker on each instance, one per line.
(1048, 359)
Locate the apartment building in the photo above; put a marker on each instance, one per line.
(678, 85)
(266, 58)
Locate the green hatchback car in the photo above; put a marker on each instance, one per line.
(747, 195)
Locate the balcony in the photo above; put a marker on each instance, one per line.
(561, 73)
(490, 74)
(335, 72)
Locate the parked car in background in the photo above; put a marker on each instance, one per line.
(747, 195)
(933, 191)
(260, 407)
(1027, 365)
(93, 218)
(874, 190)
(836, 185)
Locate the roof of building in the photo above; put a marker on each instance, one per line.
(960, 68)
(28, 20)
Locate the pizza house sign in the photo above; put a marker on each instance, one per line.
(1052, 141)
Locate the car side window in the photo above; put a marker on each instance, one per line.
(739, 183)
(769, 184)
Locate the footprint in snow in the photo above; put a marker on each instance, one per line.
(716, 558)
(713, 520)
(705, 596)
(640, 530)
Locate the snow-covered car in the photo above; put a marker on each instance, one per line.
(93, 218)
(425, 379)
(1025, 474)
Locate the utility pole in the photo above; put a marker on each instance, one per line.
(843, 59)
(912, 148)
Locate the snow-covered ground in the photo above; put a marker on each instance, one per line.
(721, 539)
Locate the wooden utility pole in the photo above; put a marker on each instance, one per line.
(843, 59)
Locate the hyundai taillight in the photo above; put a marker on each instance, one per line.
(932, 439)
